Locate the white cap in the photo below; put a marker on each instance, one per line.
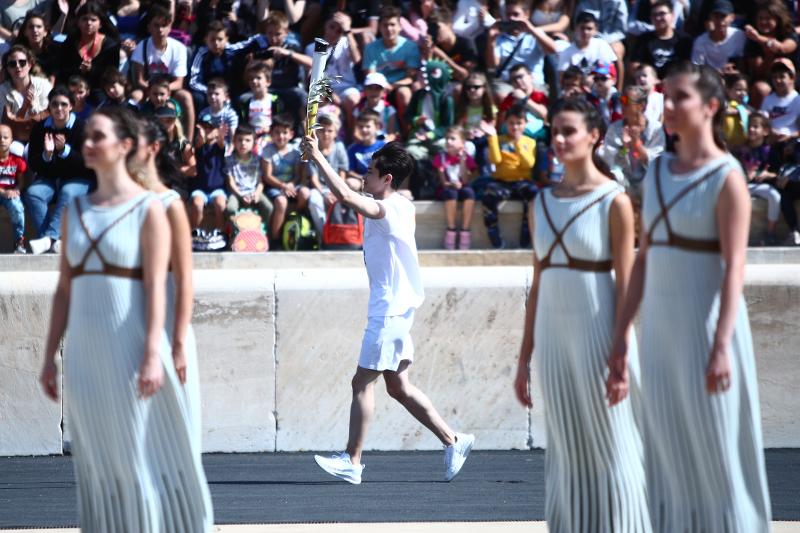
(376, 78)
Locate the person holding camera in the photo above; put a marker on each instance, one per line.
(442, 44)
(513, 41)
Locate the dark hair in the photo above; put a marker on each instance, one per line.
(75, 79)
(486, 102)
(519, 66)
(157, 11)
(113, 75)
(584, 17)
(572, 72)
(593, 121)
(260, 67)
(709, 84)
(524, 4)
(662, 3)
(764, 121)
(776, 9)
(517, 111)
(217, 83)
(245, 129)
(126, 125)
(23, 39)
(169, 171)
(19, 49)
(441, 15)
(393, 159)
(369, 114)
(97, 9)
(159, 79)
(60, 90)
(389, 12)
(216, 26)
(282, 121)
(734, 78)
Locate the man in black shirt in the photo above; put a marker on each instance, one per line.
(664, 45)
(443, 44)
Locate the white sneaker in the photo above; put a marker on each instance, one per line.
(55, 248)
(456, 455)
(339, 465)
(40, 246)
(795, 238)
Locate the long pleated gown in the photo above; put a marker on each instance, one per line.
(594, 474)
(134, 461)
(704, 457)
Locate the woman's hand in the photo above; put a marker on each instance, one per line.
(49, 144)
(151, 375)
(522, 385)
(179, 359)
(618, 382)
(718, 372)
(49, 380)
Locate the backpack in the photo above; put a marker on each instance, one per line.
(343, 229)
(249, 234)
(298, 233)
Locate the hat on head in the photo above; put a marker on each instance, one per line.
(205, 120)
(783, 63)
(376, 78)
(722, 6)
(602, 68)
(166, 112)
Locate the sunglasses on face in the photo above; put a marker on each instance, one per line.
(601, 78)
(59, 104)
(474, 87)
(18, 63)
(659, 14)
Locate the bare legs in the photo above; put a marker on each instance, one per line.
(400, 388)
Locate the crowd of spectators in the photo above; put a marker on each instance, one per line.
(465, 85)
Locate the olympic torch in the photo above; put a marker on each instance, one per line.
(319, 87)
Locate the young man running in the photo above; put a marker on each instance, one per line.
(390, 254)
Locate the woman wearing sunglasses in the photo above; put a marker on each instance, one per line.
(24, 96)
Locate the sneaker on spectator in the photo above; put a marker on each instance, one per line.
(450, 239)
(456, 454)
(793, 239)
(495, 238)
(41, 245)
(464, 239)
(19, 247)
(339, 465)
(55, 248)
(215, 240)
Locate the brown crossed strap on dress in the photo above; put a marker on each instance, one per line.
(673, 239)
(572, 262)
(108, 268)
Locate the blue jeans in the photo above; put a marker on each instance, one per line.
(17, 214)
(39, 195)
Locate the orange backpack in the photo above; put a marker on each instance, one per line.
(343, 229)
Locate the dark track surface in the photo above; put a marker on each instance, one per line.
(398, 486)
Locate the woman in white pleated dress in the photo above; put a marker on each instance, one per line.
(583, 252)
(132, 447)
(702, 434)
(180, 293)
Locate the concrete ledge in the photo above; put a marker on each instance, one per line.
(278, 347)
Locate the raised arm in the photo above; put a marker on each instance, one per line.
(362, 204)
(733, 221)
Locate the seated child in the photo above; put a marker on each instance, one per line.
(245, 173)
(282, 174)
(208, 185)
(456, 169)
(79, 88)
(12, 168)
(219, 107)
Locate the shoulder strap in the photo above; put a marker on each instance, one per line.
(146, 61)
(499, 72)
(664, 208)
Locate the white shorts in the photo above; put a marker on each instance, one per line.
(387, 342)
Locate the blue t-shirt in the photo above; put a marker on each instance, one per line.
(210, 168)
(528, 53)
(283, 165)
(392, 63)
(360, 155)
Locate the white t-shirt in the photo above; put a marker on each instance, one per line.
(716, 55)
(598, 50)
(783, 112)
(340, 63)
(655, 107)
(390, 253)
(259, 114)
(172, 61)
